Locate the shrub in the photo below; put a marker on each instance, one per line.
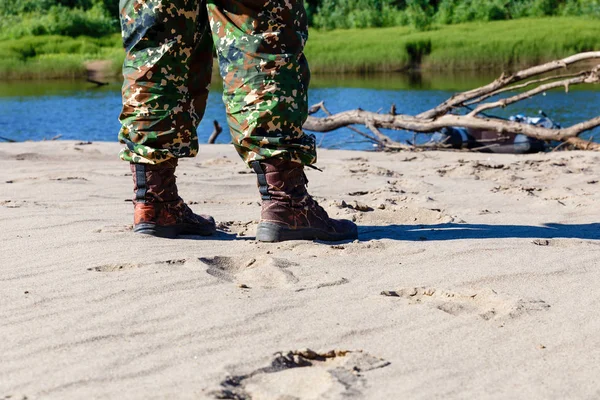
(336, 14)
(590, 8)
(421, 14)
(34, 20)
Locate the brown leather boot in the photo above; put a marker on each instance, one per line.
(288, 211)
(158, 209)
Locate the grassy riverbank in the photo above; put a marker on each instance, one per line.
(474, 46)
(53, 57)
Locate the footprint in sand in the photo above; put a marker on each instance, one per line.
(486, 303)
(218, 161)
(394, 214)
(115, 267)
(181, 261)
(303, 374)
(31, 157)
(69, 178)
(564, 243)
(114, 229)
(267, 272)
(238, 228)
(13, 204)
(129, 266)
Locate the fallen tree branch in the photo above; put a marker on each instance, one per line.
(385, 140)
(410, 123)
(441, 117)
(321, 107)
(522, 86)
(587, 78)
(458, 100)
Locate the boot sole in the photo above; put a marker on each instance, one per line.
(270, 232)
(171, 232)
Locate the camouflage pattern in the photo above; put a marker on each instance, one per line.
(287, 204)
(167, 74)
(158, 209)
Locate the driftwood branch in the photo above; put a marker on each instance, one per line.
(504, 80)
(321, 107)
(442, 117)
(566, 83)
(522, 86)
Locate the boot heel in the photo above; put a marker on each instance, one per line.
(271, 232)
(267, 232)
(166, 232)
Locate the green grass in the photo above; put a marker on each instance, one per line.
(486, 47)
(46, 19)
(50, 66)
(473, 46)
(53, 57)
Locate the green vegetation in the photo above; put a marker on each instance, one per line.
(57, 56)
(55, 38)
(100, 17)
(472, 46)
(423, 14)
(19, 18)
(488, 47)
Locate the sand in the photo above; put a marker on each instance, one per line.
(475, 276)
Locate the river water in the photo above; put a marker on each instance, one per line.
(77, 110)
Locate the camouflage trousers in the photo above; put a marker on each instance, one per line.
(170, 46)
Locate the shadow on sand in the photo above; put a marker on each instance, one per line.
(452, 232)
(478, 231)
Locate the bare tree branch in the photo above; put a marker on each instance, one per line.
(522, 85)
(385, 140)
(441, 117)
(588, 78)
(504, 80)
(410, 123)
(321, 106)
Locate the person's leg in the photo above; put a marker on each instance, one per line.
(260, 47)
(167, 73)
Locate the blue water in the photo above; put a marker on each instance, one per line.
(79, 111)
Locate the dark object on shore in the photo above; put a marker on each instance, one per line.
(490, 141)
(52, 138)
(97, 82)
(97, 72)
(8, 140)
(213, 137)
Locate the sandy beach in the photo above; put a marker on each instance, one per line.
(475, 276)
